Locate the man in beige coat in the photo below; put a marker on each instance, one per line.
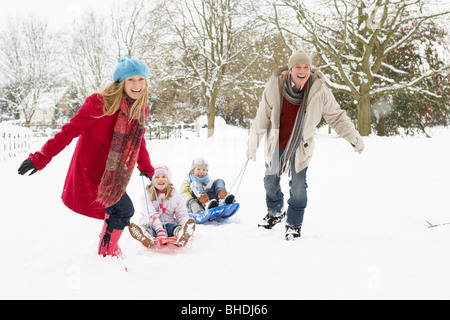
(293, 103)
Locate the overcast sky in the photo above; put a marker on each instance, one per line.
(57, 12)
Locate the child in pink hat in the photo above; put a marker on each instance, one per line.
(175, 220)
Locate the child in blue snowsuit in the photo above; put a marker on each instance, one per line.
(200, 191)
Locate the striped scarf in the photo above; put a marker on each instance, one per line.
(296, 136)
(122, 157)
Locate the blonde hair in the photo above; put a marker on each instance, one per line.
(151, 191)
(112, 96)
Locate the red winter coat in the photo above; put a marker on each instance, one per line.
(89, 158)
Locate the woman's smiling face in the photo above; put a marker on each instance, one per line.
(134, 86)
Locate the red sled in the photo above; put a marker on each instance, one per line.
(164, 241)
(143, 235)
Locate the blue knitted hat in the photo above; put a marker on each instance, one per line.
(128, 67)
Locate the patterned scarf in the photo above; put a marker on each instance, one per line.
(122, 157)
(296, 136)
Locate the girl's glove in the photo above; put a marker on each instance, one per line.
(161, 236)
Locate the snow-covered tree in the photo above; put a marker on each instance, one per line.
(132, 25)
(351, 40)
(414, 111)
(208, 36)
(91, 60)
(240, 99)
(28, 63)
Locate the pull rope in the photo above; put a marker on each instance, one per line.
(146, 201)
(241, 175)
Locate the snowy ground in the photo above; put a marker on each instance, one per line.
(365, 234)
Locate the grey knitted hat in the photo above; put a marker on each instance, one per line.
(199, 162)
(298, 57)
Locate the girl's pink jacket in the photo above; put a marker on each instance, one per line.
(176, 211)
(89, 158)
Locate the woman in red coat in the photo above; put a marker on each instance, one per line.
(110, 127)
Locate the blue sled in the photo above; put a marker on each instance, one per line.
(224, 212)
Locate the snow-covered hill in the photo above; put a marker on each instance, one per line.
(365, 234)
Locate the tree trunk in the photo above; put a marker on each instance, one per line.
(381, 131)
(211, 115)
(364, 116)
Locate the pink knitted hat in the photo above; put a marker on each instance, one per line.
(162, 169)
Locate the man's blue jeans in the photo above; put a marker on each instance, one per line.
(298, 196)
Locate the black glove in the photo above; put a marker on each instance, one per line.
(26, 166)
(145, 175)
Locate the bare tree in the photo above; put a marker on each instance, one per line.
(132, 26)
(352, 39)
(89, 54)
(28, 63)
(208, 44)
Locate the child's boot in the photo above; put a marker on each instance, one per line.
(141, 234)
(206, 202)
(211, 204)
(184, 232)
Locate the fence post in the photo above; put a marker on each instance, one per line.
(14, 140)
